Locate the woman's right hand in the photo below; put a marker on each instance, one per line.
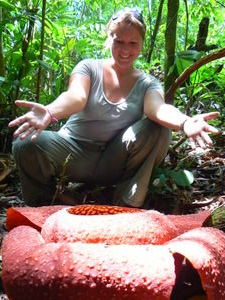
(33, 122)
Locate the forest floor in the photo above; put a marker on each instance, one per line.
(206, 192)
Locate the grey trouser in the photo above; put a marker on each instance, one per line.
(126, 161)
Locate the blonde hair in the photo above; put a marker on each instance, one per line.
(126, 16)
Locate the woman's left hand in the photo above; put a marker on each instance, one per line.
(197, 129)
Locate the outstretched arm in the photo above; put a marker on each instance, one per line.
(196, 128)
(40, 116)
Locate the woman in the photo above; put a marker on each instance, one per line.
(106, 136)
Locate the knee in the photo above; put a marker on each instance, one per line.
(136, 133)
(165, 134)
(146, 132)
(24, 150)
(21, 147)
(159, 132)
(27, 146)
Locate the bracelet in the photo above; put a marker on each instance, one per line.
(182, 125)
(53, 118)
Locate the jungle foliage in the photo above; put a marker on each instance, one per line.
(41, 41)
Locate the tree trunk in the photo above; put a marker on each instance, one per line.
(155, 31)
(25, 46)
(170, 41)
(200, 44)
(41, 50)
(187, 24)
(2, 64)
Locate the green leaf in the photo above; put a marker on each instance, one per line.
(191, 55)
(182, 64)
(183, 178)
(186, 58)
(162, 179)
(6, 4)
(44, 64)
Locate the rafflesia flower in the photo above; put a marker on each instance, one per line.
(92, 252)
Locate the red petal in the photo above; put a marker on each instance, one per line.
(31, 216)
(184, 223)
(59, 271)
(33, 269)
(205, 249)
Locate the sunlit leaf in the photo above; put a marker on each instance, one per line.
(6, 4)
(183, 178)
(191, 55)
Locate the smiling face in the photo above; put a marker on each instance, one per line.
(126, 45)
(126, 32)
